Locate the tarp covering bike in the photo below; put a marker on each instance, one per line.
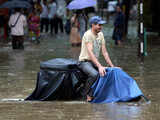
(58, 79)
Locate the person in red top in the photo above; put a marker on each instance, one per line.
(34, 26)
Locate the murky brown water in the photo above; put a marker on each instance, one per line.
(18, 70)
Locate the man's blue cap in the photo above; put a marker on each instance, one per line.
(96, 20)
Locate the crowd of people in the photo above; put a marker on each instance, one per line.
(42, 15)
(49, 17)
(46, 17)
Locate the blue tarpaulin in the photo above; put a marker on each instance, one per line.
(115, 86)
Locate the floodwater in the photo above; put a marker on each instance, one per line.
(18, 72)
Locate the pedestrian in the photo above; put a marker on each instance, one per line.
(52, 16)
(34, 26)
(67, 25)
(17, 22)
(118, 26)
(92, 43)
(37, 5)
(44, 16)
(75, 38)
(82, 18)
(59, 17)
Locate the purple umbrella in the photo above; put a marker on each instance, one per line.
(80, 4)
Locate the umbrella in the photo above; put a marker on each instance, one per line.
(80, 4)
(16, 4)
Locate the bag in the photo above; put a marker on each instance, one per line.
(15, 22)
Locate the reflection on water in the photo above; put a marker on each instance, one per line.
(18, 72)
(74, 110)
(117, 111)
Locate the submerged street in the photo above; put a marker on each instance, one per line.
(18, 73)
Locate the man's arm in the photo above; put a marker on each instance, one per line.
(106, 56)
(94, 59)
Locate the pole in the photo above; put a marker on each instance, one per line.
(127, 4)
(145, 42)
(101, 7)
(141, 31)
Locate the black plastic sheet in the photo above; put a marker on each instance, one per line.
(58, 79)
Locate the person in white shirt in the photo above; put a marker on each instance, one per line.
(17, 22)
(44, 16)
(82, 23)
(59, 19)
(52, 14)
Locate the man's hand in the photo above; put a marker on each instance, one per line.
(102, 70)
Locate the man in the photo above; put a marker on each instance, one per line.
(60, 16)
(52, 15)
(92, 43)
(82, 18)
(17, 22)
(44, 16)
(119, 24)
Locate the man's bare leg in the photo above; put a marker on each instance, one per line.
(89, 98)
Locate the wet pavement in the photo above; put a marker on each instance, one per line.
(18, 72)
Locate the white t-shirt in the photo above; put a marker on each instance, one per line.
(44, 13)
(96, 40)
(52, 10)
(18, 29)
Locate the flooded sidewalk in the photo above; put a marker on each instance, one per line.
(18, 73)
